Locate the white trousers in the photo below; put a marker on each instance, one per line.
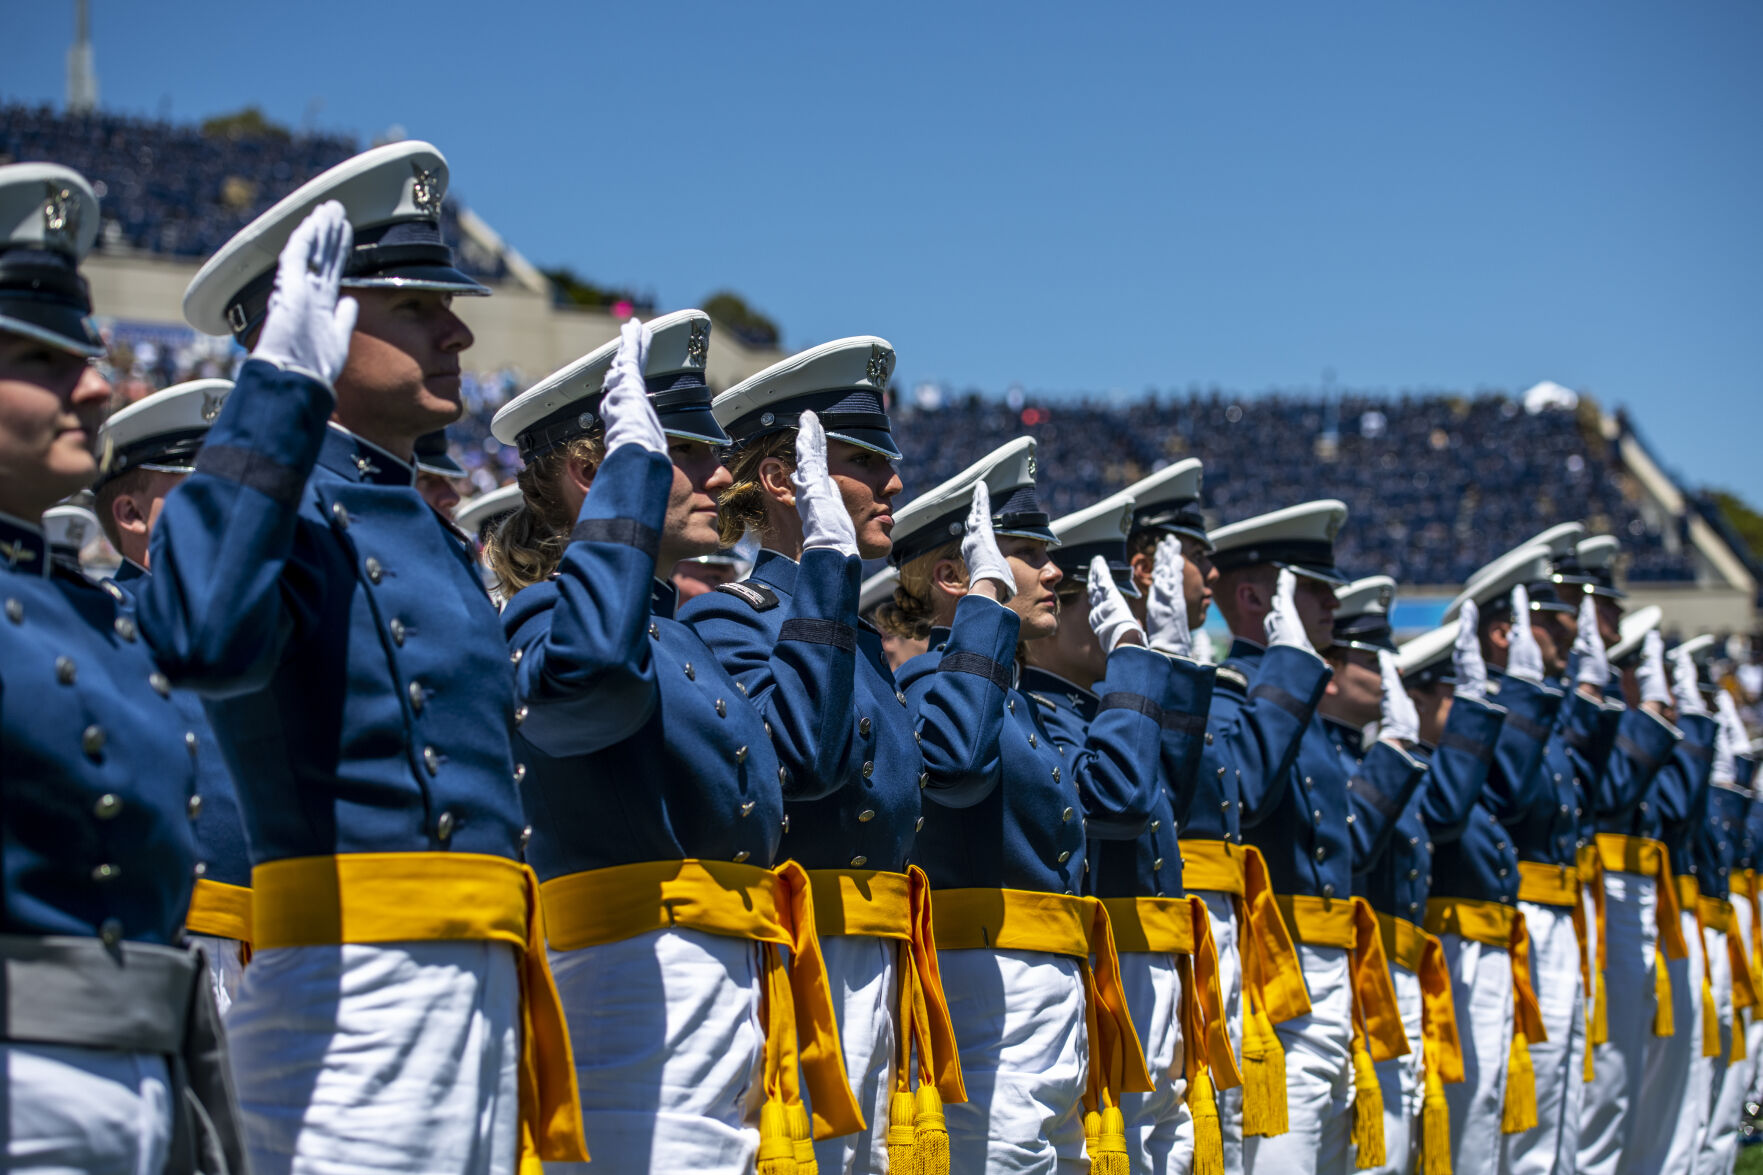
(78, 1111)
(1481, 985)
(225, 971)
(1159, 1126)
(669, 1051)
(1559, 1062)
(1400, 1081)
(1608, 1121)
(1025, 1056)
(1674, 1089)
(1221, 911)
(1729, 1082)
(1319, 1076)
(401, 1057)
(866, 988)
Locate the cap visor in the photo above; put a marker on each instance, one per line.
(1327, 575)
(696, 423)
(63, 328)
(876, 440)
(419, 277)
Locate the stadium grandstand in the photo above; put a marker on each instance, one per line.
(1444, 481)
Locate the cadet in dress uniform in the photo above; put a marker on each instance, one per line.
(1728, 983)
(437, 474)
(151, 447)
(1277, 583)
(1472, 904)
(1258, 966)
(1168, 964)
(109, 1023)
(818, 420)
(363, 698)
(1396, 876)
(651, 779)
(1003, 840)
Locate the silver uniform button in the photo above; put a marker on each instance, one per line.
(1321, 853)
(742, 856)
(92, 741)
(1328, 890)
(1221, 773)
(1065, 856)
(200, 869)
(923, 780)
(520, 773)
(417, 698)
(515, 656)
(1031, 739)
(868, 768)
(107, 807)
(721, 708)
(783, 776)
(859, 861)
(1055, 775)
(106, 872)
(64, 670)
(431, 759)
(125, 628)
(110, 931)
(374, 571)
(526, 836)
(865, 816)
(740, 754)
(1208, 738)
(900, 697)
(444, 826)
(1155, 824)
(161, 684)
(397, 627)
(1157, 864)
(519, 715)
(655, 631)
(919, 827)
(690, 676)
(340, 514)
(190, 743)
(1065, 816)
(1413, 875)
(863, 727)
(14, 611)
(193, 807)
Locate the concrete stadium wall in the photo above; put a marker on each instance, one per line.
(517, 327)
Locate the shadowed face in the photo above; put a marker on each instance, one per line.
(1037, 579)
(51, 405)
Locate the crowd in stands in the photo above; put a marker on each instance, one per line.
(172, 189)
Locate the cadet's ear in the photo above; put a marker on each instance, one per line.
(774, 478)
(1500, 634)
(1142, 566)
(580, 471)
(949, 576)
(126, 513)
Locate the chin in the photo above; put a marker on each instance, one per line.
(873, 546)
(1039, 628)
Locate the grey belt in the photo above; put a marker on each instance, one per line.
(138, 998)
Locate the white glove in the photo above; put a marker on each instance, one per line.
(1399, 721)
(1466, 659)
(1166, 612)
(979, 547)
(308, 325)
(825, 521)
(1110, 618)
(1730, 739)
(1282, 623)
(1683, 684)
(1524, 657)
(629, 416)
(1588, 646)
(1203, 648)
(1650, 675)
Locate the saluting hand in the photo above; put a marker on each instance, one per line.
(1650, 675)
(308, 325)
(1283, 625)
(1524, 657)
(1110, 617)
(630, 417)
(1683, 684)
(1730, 739)
(1467, 664)
(979, 547)
(1166, 612)
(1399, 721)
(825, 521)
(1593, 669)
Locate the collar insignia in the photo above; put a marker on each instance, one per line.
(15, 553)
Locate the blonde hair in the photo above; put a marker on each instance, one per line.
(526, 547)
(742, 506)
(912, 613)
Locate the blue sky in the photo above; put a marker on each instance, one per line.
(1090, 197)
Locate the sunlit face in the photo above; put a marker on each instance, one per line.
(1555, 632)
(1316, 608)
(1037, 578)
(1609, 619)
(402, 375)
(1355, 693)
(51, 405)
(867, 482)
(699, 477)
(1198, 578)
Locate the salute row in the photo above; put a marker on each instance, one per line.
(732, 889)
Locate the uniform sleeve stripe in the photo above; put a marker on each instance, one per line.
(1284, 700)
(977, 664)
(818, 632)
(1480, 751)
(1184, 722)
(627, 532)
(254, 471)
(1697, 751)
(1366, 790)
(1632, 749)
(1526, 727)
(1123, 700)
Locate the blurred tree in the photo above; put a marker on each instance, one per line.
(750, 326)
(1745, 522)
(248, 123)
(575, 290)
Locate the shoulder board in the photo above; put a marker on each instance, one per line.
(757, 596)
(1234, 680)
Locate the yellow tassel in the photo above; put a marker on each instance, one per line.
(1367, 1110)
(1664, 1022)
(1264, 1077)
(1208, 1134)
(802, 1139)
(1435, 1129)
(1710, 1017)
(930, 1134)
(1519, 1113)
(1110, 1155)
(900, 1131)
(1600, 1014)
(777, 1151)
